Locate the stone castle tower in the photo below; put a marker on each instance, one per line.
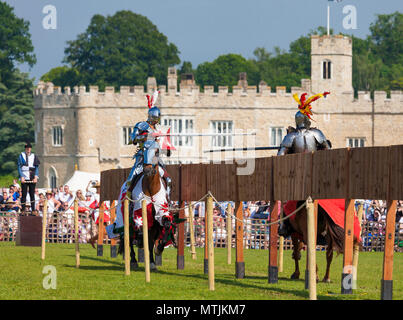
(332, 64)
(86, 128)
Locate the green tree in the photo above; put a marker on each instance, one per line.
(186, 68)
(16, 101)
(122, 49)
(386, 38)
(225, 70)
(287, 68)
(17, 123)
(15, 43)
(62, 77)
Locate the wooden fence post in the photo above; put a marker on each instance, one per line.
(281, 246)
(145, 240)
(127, 237)
(192, 235)
(100, 242)
(229, 233)
(347, 275)
(315, 221)
(205, 239)
(387, 274)
(210, 246)
(273, 237)
(239, 264)
(356, 248)
(311, 250)
(76, 238)
(44, 222)
(114, 252)
(180, 260)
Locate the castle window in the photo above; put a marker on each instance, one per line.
(276, 136)
(57, 133)
(355, 142)
(52, 176)
(223, 131)
(327, 69)
(181, 125)
(126, 134)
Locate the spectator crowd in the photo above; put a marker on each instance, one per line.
(60, 211)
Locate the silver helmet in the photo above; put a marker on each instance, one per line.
(302, 121)
(154, 115)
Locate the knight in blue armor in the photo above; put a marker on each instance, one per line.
(147, 145)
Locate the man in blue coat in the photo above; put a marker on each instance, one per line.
(28, 170)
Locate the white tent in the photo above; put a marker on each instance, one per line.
(80, 180)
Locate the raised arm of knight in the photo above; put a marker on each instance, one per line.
(286, 145)
(140, 133)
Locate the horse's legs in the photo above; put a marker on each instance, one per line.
(133, 262)
(329, 258)
(151, 242)
(296, 255)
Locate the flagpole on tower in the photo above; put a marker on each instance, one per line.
(328, 18)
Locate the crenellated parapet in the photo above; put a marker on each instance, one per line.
(191, 95)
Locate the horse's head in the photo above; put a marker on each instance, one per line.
(151, 158)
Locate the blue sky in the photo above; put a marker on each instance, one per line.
(201, 29)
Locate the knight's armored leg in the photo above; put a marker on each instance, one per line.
(133, 181)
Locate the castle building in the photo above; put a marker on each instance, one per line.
(87, 129)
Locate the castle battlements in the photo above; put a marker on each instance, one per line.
(48, 95)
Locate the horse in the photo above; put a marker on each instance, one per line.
(328, 233)
(152, 186)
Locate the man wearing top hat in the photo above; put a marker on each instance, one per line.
(28, 170)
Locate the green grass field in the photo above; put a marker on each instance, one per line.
(21, 276)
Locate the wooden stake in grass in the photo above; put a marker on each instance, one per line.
(210, 247)
(311, 249)
(113, 241)
(356, 249)
(76, 233)
(387, 273)
(101, 228)
(347, 275)
(44, 221)
(192, 234)
(127, 237)
(229, 233)
(281, 248)
(145, 240)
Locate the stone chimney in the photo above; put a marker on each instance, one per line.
(172, 80)
(151, 84)
(187, 79)
(243, 82)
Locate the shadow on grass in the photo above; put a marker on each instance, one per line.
(238, 283)
(280, 279)
(100, 259)
(96, 268)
